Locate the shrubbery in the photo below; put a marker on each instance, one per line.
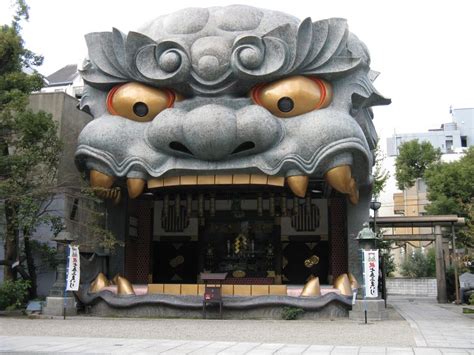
(291, 313)
(13, 294)
(419, 264)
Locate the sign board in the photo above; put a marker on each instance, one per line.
(371, 273)
(73, 269)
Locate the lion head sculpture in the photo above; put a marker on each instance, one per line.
(216, 93)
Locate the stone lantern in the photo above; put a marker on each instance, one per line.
(61, 302)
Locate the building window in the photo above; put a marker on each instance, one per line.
(449, 144)
(464, 141)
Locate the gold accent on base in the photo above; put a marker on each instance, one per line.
(99, 283)
(260, 290)
(242, 290)
(98, 179)
(124, 287)
(155, 288)
(343, 284)
(353, 281)
(135, 187)
(115, 279)
(172, 289)
(312, 288)
(189, 289)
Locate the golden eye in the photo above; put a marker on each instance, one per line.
(138, 102)
(293, 96)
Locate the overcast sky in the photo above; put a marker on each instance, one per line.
(423, 49)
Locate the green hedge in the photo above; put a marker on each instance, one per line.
(13, 294)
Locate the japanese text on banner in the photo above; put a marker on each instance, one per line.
(371, 272)
(73, 269)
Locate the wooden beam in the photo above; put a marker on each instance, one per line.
(409, 237)
(440, 267)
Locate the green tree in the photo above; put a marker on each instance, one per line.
(419, 264)
(381, 175)
(412, 161)
(451, 191)
(30, 150)
(29, 147)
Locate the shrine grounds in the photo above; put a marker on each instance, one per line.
(415, 326)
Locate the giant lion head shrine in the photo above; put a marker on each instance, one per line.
(234, 146)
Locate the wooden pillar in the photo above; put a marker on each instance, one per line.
(440, 266)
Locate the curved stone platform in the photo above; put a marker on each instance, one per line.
(106, 303)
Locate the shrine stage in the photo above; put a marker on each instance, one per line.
(106, 302)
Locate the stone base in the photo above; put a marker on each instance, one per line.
(55, 306)
(102, 309)
(375, 310)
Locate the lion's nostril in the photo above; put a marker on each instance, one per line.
(180, 147)
(243, 147)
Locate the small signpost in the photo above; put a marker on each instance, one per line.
(371, 273)
(73, 272)
(213, 292)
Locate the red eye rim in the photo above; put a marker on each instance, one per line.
(171, 97)
(324, 92)
(170, 93)
(110, 96)
(255, 93)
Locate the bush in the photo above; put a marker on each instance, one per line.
(419, 265)
(450, 284)
(291, 313)
(13, 294)
(471, 299)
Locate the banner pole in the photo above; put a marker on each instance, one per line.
(65, 283)
(363, 276)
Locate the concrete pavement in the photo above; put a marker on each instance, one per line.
(430, 329)
(54, 345)
(437, 325)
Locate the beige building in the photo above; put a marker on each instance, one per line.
(412, 202)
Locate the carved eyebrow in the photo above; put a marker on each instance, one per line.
(322, 48)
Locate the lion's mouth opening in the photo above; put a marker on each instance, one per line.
(339, 178)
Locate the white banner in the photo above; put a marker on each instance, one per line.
(371, 272)
(73, 269)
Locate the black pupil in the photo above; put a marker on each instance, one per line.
(285, 104)
(140, 109)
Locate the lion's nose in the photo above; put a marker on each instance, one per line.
(210, 132)
(214, 132)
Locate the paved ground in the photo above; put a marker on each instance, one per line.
(426, 324)
(437, 325)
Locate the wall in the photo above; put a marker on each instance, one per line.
(464, 119)
(419, 287)
(71, 121)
